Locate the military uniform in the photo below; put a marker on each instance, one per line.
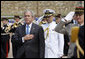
(41, 20)
(67, 39)
(3, 55)
(5, 43)
(80, 42)
(14, 46)
(67, 30)
(79, 38)
(54, 42)
(12, 30)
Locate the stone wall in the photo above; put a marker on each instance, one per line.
(10, 8)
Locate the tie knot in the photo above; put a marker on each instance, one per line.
(27, 26)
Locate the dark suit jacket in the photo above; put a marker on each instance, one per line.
(33, 48)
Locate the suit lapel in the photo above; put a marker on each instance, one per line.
(23, 30)
(32, 29)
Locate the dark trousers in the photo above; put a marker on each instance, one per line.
(3, 54)
(14, 46)
(66, 46)
(5, 45)
(14, 49)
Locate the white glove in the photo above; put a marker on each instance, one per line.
(63, 20)
(39, 20)
(69, 16)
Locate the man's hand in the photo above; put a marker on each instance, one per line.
(28, 37)
(69, 16)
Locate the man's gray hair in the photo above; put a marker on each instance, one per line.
(30, 11)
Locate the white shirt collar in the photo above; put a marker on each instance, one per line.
(30, 25)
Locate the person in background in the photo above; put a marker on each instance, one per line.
(54, 42)
(13, 29)
(66, 38)
(79, 13)
(58, 18)
(5, 37)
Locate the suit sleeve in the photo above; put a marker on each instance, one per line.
(42, 42)
(60, 29)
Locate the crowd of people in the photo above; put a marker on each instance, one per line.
(49, 36)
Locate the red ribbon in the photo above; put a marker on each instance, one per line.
(7, 49)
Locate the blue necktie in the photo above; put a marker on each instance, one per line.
(27, 30)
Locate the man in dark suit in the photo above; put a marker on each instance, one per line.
(12, 30)
(30, 38)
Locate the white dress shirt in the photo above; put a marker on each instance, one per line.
(30, 25)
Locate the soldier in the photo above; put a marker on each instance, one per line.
(67, 30)
(58, 18)
(54, 42)
(13, 28)
(3, 55)
(5, 38)
(41, 20)
(79, 37)
(65, 27)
